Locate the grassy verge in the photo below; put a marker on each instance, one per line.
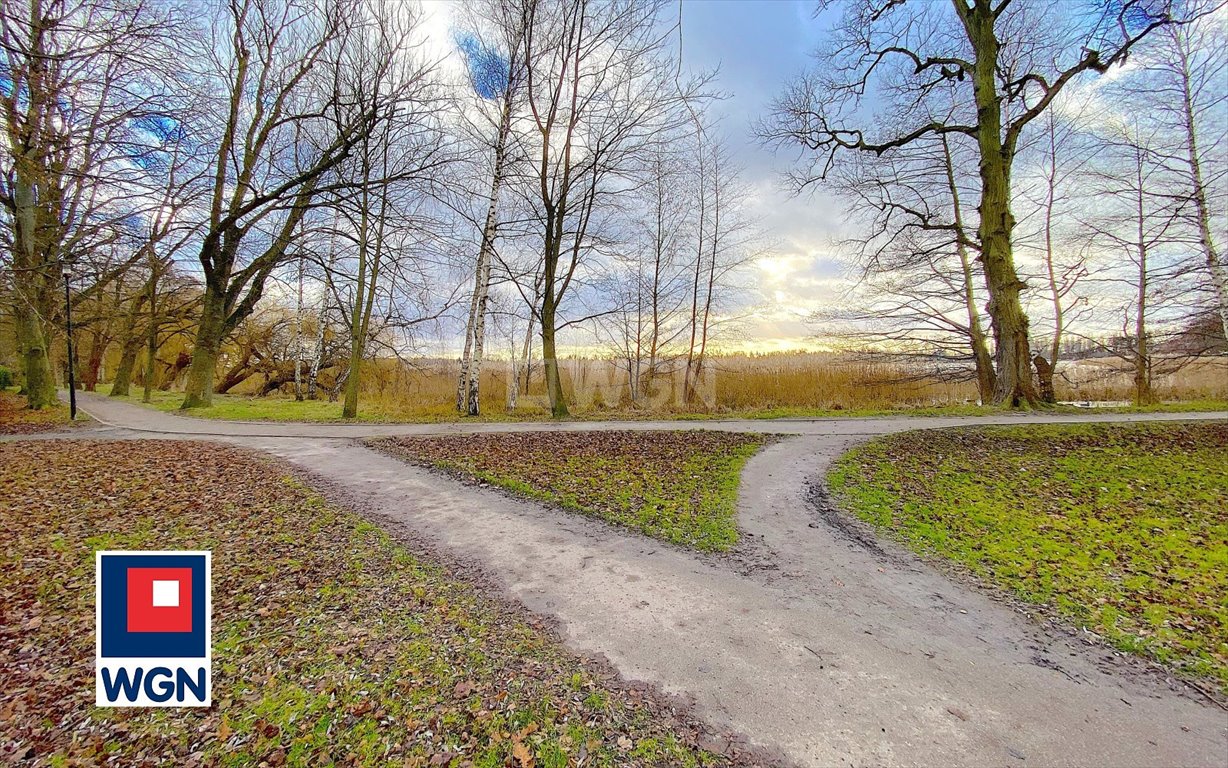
(17, 419)
(333, 644)
(1121, 528)
(680, 487)
(271, 408)
(281, 408)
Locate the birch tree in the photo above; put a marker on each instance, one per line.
(496, 72)
(1180, 90)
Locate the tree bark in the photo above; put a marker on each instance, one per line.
(550, 362)
(359, 313)
(209, 334)
(1142, 360)
(298, 337)
(122, 382)
(1055, 291)
(151, 342)
(130, 343)
(34, 283)
(1044, 373)
(1009, 322)
(39, 384)
(986, 379)
(468, 392)
(1215, 263)
(370, 256)
(93, 361)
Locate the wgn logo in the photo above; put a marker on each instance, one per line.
(153, 622)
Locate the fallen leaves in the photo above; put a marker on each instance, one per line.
(333, 644)
(17, 419)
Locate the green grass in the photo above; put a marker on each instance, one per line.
(271, 408)
(680, 487)
(1122, 529)
(333, 644)
(281, 408)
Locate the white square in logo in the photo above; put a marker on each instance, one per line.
(166, 594)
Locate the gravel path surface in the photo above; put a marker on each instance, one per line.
(815, 639)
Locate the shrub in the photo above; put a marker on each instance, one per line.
(6, 378)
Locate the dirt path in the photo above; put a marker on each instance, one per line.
(823, 644)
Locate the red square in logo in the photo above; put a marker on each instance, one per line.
(159, 599)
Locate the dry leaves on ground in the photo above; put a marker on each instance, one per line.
(333, 643)
(17, 419)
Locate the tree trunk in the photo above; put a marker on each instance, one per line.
(550, 362)
(513, 379)
(39, 384)
(1055, 291)
(317, 354)
(370, 258)
(34, 286)
(349, 409)
(298, 337)
(182, 361)
(209, 335)
(513, 394)
(93, 364)
(241, 371)
(692, 393)
(123, 370)
(1142, 362)
(699, 261)
(467, 394)
(130, 344)
(151, 348)
(982, 362)
(1215, 263)
(472, 390)
(1044, 374)
(1013, 358)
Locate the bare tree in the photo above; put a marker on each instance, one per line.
(726, 238)
(496, 69)
(1180, 91)
(84, 81)
(600, 91)
(393, 165)
(1134, 223)
(653, 281)
(1006, 62)
(168, 229)
(1063, 262)
(916, 260)
(288, 119)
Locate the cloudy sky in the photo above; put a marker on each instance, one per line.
(756, 45)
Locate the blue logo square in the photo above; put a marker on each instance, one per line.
(117, 641)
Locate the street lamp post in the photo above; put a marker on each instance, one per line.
(72, 374)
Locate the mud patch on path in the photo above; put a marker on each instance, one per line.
(828, 513)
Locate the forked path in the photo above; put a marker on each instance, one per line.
(821, 643)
